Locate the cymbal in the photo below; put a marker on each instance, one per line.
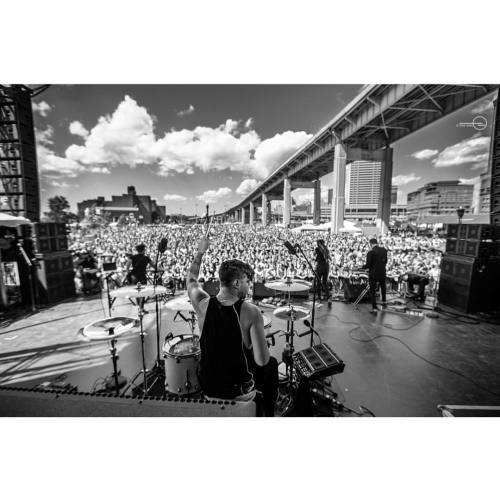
(287, 286)
(180, 304)
(291, 313)
(99, 330)
(135, 292)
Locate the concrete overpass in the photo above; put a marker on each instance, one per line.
(364, 130)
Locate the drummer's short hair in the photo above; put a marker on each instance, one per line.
(140, 247)
(233, 269)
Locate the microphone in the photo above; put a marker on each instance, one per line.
(308, 324)
(291, 248)
(162, 246)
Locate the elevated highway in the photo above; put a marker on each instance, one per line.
(365, 129)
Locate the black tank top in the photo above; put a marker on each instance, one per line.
(226, 364)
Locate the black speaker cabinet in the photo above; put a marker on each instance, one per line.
(469, 285)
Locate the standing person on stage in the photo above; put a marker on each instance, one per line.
(322, 268)
(376, 260)
(137, 265)
(235, 357)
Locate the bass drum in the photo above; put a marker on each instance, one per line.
(182, 359)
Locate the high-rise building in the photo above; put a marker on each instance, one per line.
(484, 193)
(362, 189)
(394, 195)
(440, 198)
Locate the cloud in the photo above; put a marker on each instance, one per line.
(401, 180)
(425, 154)
(300, 199)
(127, 137)
(213, 195)
(124, 138)
(271, 153)
(53, 166)
(42, 108)
(76, 128)
(474, 150)
(482, 106)
(187, 111)
(471, 180)
(174, 197)
(62, 185)
(247, 186)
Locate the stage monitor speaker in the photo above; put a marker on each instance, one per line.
(469, 285)
(18, 402)
(353, 291)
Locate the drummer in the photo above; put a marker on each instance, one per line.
(87, 265)
(235, 359)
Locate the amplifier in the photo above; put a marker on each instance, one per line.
(317, 361)
(473, 232)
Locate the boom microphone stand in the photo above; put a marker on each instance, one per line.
(292, 249)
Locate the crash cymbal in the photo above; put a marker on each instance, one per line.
(287, 286)
(100, 330)
(291, 313)
(138, 292)
(180, 304)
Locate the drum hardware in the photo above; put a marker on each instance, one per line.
(361, 296)
(191, 320)
(110, 329)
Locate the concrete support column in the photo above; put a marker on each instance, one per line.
(317, 202)
(287, 201)
(384, 202)
(242, 215)
(252, 213)
(338, 202)
(264, 209)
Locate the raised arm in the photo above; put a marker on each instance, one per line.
(197, 294)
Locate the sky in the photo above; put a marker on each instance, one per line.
(188, 145)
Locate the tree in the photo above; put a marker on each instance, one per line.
(59, 210)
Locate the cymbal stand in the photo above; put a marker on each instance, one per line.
(316, 282)
(191, 320)
(115, 381)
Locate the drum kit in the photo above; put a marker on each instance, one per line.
(181, 353)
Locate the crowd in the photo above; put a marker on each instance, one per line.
(261, 247)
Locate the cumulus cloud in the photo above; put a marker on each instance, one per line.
(471, 180)
(53, 166)
(213, 195)
(174, 197)
(300, 199)
(187, 111)
(42, 108)
(124, 138)
(247, 186)
(76, 128)
(127, 137)
(401, 180)
(271, 153)
(425, 154)
(474, 150)
(62, 185)
(483, 106)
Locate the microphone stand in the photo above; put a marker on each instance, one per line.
(158, 362)
(315, 284)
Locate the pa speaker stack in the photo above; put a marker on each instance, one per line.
(47, 242)
(495, 170)
(470, 269)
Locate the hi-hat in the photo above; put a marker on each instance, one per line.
(100, 330)
(291, 313)
(180, 304)
(288, 286)
(134, 292)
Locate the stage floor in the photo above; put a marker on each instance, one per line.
(413, 364)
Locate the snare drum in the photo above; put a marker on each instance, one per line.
(182, 358)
